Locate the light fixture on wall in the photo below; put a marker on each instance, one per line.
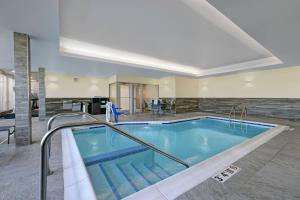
(75, 79)
(204, 88)
(93, 88)
(94, 81)
(249, 80)
(52, 82)
(249, 84)
(52, 79)
(204, 85)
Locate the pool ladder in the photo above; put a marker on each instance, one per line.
(45, 143)
(232, 114)
(243, 117)
(244, 112)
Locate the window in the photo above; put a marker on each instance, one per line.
(7, 94)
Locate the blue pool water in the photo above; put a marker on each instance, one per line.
(118, 166)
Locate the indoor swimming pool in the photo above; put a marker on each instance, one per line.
(118, 167)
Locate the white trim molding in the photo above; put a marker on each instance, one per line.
(253, 64)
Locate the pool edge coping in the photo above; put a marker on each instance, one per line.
(179, 183)
(73, 165)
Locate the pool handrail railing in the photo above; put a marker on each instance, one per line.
(47, 138)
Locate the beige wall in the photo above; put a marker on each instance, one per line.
(60, 85)
(167, 87)
(276, 83)
(180, 87)
(150, 92)
(187, 87)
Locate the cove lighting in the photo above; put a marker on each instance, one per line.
(82, 49)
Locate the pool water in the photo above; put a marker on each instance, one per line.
(118, 166)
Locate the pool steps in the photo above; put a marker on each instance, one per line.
(126, 179)
(114, 155)
(126, 173)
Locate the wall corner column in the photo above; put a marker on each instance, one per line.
(42, 94)
(131, 98)
(23, 123)
(118, 94)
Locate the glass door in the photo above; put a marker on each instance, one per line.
(124, 97)
(133, 97)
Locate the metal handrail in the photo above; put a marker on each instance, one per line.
(49, 125)
(51, 120)
(50, 133)
(232, 111)
(244, 112)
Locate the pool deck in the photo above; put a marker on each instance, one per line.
(272, 171)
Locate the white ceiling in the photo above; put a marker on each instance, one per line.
(190, 35)
(180, 32)
(273, 23)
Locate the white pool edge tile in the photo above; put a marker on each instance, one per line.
(77, 185)
(149, 193)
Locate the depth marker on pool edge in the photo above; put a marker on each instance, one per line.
(226, 173)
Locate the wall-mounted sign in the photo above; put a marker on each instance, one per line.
(226, 173)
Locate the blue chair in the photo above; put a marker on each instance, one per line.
(116, 112)
(156, 106)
